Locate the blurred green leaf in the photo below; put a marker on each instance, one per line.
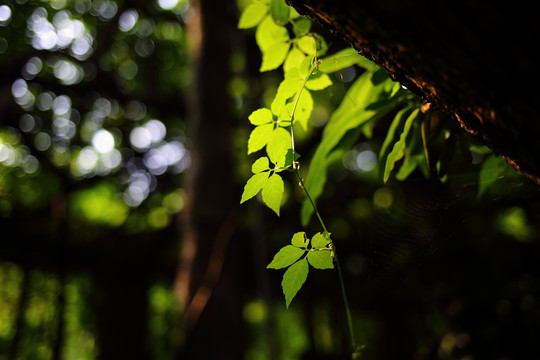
(343, 59)
(492, 169)
(260, 165)
(254, 185)
(280, 12)
(259, 137)
(320, 259)
(274, 56)
(252, 15)
(260, 117)
(279, 142)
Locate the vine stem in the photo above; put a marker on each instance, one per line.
(297, 172)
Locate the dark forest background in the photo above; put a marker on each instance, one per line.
(123, 134)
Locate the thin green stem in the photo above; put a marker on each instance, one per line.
(297, 172)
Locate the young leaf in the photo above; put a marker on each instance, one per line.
(260, 165)
(272, 192)
(285, 257)
(280, 12)
(274, 56)
(344, 59)
(279, 142)
(259, 137)
(395, 127)
(319, 82)
(320, 259)
(260, 117)
(319, 241)
(286, 89)
(307, 44)
(268, 33)
(398, 150)
(303, 108)
(252, 15)
(254, 185)
(299, 239)
(293, 279)
(294, 59)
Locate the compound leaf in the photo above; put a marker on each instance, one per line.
(285, 257)
(293, 279)
(272, 192)
(319, 241)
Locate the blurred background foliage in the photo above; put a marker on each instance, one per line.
(94, 148)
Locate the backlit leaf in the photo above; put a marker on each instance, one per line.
(320, 259)
(274, 56)
(294, 59)
(307, 44)
(260, 117)
(285, 257)
(319, 241)
(319, 82)
(293, 279)
(303, 109)
(260, 165)
(254, 185)
(252, 15)
(299, 239)
(268, 33)
(279, 142)
(344, 59)
(259, 137)
(272, 192)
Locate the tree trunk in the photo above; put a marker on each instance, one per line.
(208, 276)
(474, 60)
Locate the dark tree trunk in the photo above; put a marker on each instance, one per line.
(473, 59)
(208, 276)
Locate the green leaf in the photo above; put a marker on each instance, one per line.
(303, 108)
(395, 127)
(286, 89)
(319, 241)
(319, 82)
(398, 150)
(279, 142)
(259, 137)
(294, 59)
(301, 27)
(254, 185)
(261, 116)
(343, 59)
(260, 165)
(274, 56)
(285, 257)
(299, 239)
(293, 279)
(252, 15)
(268, 33)
(364, 102)
(320, 259)
(280, 12)
(491, 170)
(272, 192)
(307, 44)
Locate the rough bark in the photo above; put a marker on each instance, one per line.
(474, 60)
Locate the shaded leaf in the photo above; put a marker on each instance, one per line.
(286, 256)
(301, 26)
(491, 170)
(272, 192)
(254, 185)
(280, 12)
(293, 279)
(398, 150)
